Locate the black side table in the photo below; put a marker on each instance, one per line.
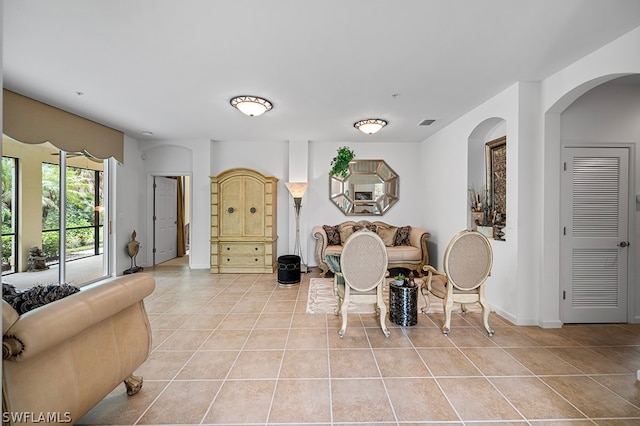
(288, 269)
(403, 304)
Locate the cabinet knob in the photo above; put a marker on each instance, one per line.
(252, 210)
(230, 210)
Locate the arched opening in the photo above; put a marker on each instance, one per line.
(486, 174)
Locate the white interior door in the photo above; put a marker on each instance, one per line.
(165, 219)
(595, 234)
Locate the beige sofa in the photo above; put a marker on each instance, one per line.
(61, 359)
(412, 256)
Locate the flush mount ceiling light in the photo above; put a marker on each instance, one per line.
(370, 125)
(251, 105)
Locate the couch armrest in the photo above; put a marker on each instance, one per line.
(320, 235)
(9, 316)
(56, 322)
(419, 238)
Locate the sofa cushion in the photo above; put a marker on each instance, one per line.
(402, 236)
(387, 234)
(345, 232)
(32, 298)
(404, 254)
(333, 235)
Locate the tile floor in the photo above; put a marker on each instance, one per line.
(240, 350)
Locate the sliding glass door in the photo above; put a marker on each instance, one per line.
(64, 214)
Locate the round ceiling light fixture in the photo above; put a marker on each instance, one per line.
(370, 125)
(252, 106)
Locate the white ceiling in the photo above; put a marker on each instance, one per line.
(171, 66)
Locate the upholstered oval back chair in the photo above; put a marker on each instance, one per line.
(467, 265)
(363, 267)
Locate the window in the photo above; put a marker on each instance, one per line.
(79, 195)
(9, 214)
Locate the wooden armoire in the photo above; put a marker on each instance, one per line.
(243, 222)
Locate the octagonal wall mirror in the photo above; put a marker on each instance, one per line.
(370, 188)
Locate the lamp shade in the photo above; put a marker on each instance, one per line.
(297, 189)
(252, 106)
(370, 125)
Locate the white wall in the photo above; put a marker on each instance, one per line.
(129, 205)
(524, 286)
(401, 157)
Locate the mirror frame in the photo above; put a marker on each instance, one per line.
(350, 202)
(496, 175)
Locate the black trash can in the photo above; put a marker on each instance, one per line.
(289, 269)
(403, 305)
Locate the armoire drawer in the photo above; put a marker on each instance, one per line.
(238, 260)
(232, 249)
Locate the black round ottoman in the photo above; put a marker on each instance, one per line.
(289, 269)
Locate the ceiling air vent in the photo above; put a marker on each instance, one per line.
(426, 122)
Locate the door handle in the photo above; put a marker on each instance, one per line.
(624, 244)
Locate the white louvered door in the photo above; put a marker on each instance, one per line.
(594, 255)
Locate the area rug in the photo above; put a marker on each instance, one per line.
(322, 301)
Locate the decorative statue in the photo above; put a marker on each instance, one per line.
(35, 260)
(133, 247)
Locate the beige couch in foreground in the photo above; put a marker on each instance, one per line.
(61, 359)
(412, 256)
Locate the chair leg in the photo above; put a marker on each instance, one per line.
(426, 300)
(344, 310)
(383, 313)
(447, 307)
(486, 309)
(463, 308)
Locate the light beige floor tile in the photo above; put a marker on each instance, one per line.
(360, 401)
(355, 337)
(466, 337)
(301, 401)
(226, 340)
(447, 362)
(352, 363)
(625, 385)
(495, 362)
(242, 402)
(304, 364)
(477, 399)
(257, 365)
(396, 338)
(185, 340)
(182, 402)
(164, 365)
(203, 321)
(428, 338)
(267, 338)
(592, 398)
(400, 363)
(588, 361)
(208, 365)
(419, 399)
(118, 408)
(169, 321)
(274, 320)
(307, 338)
(508, 337)
(239, 321)
(534, 399)
(304, 320)
(541, 361)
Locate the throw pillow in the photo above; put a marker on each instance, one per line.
(37, 296)
(345, 232)
(402, 236)
(333, 235)
(9, 293)
(371, 227)
(387, 234)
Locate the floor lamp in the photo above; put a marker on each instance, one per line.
(297, 190)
